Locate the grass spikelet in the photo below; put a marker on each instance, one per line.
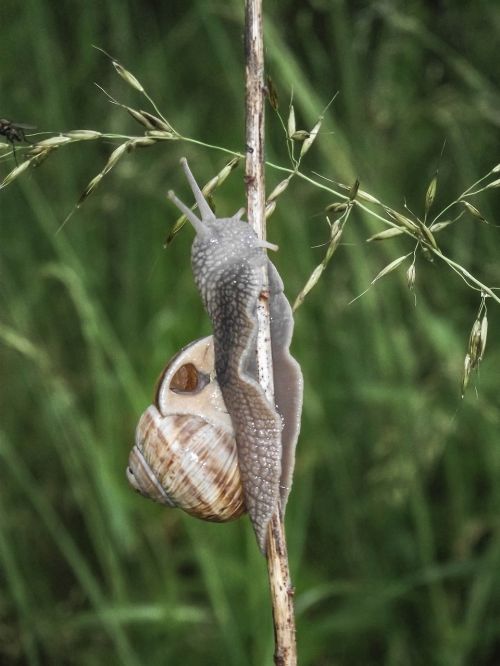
(336, 207)
(430, 195)
(354, 190)
(39, 156)
(272, 94)
(155, 122)
(291, 127)
(313, 279)
(384, 235)
(336, 230)
(427, 235)
(387, 269)
(466, 373)
(142, 142)
(83, 135)
(427, 254)
(390, 267)
(473, 210)
(115, 156)
(279, 189)
(227, 169)
(483, 335)
(140, 118)
(311, 138)
(269, 209)
(209, 187)
(300, 135)
(475, 343)
(53, 142)
(410, 276)
(89, 189)
(366, 196)
(437, 226)
(15, 173)
(127, 76)
(161, 135)
(402, 220)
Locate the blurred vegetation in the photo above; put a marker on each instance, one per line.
(393, 522)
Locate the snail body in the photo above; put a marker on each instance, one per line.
(229, 266)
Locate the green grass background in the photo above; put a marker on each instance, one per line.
(393, 522)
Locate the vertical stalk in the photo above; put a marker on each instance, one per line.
(285, 653)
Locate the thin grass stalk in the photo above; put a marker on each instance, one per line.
(285, 653)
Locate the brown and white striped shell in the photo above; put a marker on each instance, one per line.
(185, 450)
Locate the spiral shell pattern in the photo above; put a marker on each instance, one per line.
(189, 463)
(185, 451)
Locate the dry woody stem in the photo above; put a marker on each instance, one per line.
(277, 557)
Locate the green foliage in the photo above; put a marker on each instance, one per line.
(393, 520)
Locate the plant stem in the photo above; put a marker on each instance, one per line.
(285, 653)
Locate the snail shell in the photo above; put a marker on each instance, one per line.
(185, 451)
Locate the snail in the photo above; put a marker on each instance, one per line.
(228, 262)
